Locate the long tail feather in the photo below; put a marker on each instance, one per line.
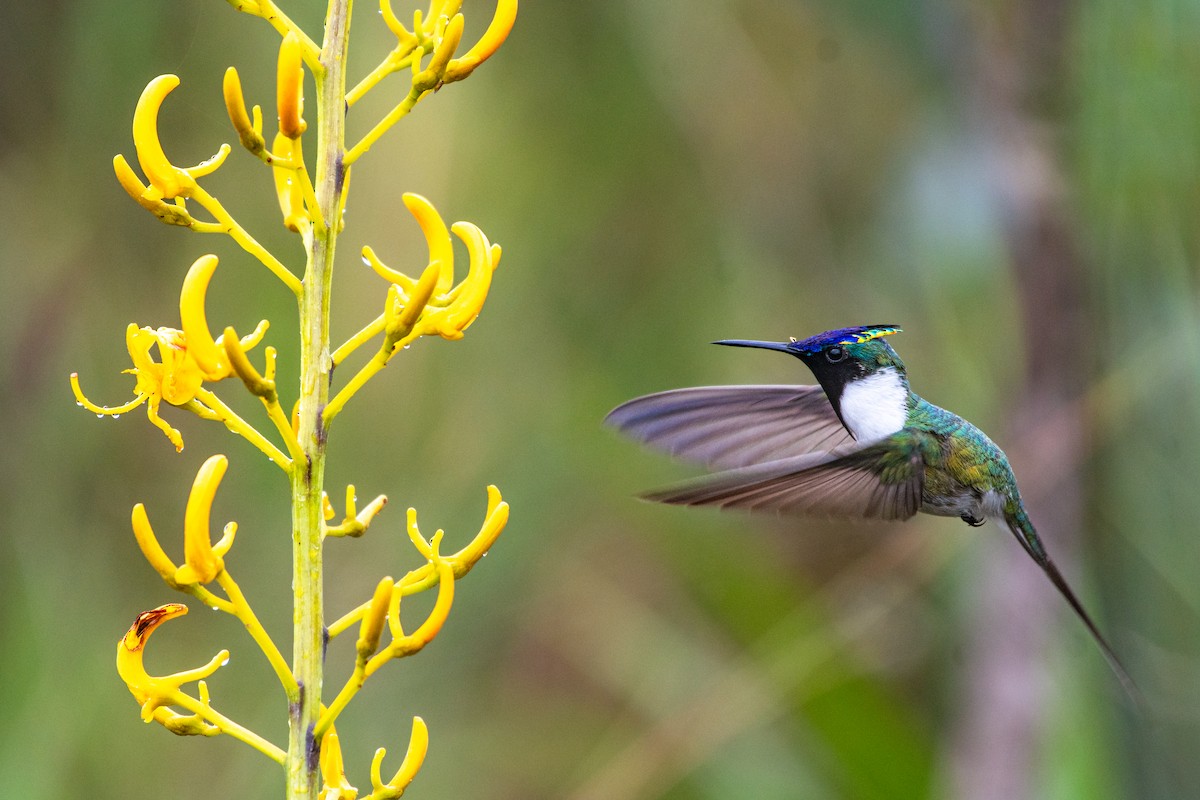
(1025, 533)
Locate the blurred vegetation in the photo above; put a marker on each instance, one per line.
(660, 175)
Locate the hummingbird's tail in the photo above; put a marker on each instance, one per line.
(1021, 527)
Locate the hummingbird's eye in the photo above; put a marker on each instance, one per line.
(834, 354)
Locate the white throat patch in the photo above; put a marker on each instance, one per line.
(876, 406)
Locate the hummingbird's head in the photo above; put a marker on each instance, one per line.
(861, 374)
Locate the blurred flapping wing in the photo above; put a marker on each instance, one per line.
(728, 427)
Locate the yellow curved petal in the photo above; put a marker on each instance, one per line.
(162, 174)
(429, 77)
(235, 104)
(149, 198)
(418, 746)
(138, 342)
(290, 87)
(202, 564)
(444, 8)
(200, 343)
(131, 645)
(384, 271)
(437, 238)
(372, 621)
(151, 549)
(493, 37)
(287, 184)
(406, 39)
(419, 297)
(458, 316)
(173, 436)
(495, 519)
(105, 410)
(226, 541)
(432, 625)
(333, 769)
(209, 165)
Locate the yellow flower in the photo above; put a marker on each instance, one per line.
(166, 179)
(451, 308)
(418, 746)
(186, 358)
(204, 560)
(154, 694)
(290, 91)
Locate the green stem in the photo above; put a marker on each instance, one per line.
(308, 476)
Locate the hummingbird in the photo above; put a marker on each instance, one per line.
(860, 445)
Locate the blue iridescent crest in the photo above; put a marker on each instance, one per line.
(858, 335)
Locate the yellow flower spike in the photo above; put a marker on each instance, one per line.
(418, 746)
(372, 621)
(489, 43)
(249, 134)
(150, 199)
(202, 563)
(431, 76)
(287, 184)
(333, 770)
(151, 549)
(290, 87)
(437, 238)
(200, 343)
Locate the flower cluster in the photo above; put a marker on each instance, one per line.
(181, 367)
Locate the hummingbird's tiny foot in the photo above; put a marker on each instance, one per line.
(973, 521)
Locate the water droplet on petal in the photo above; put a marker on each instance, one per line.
(366, 261)
(226, 661)
(116, 416)
(214, 608)
(79, 403)
(99, 416)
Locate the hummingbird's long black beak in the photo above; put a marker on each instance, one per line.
(783, 347)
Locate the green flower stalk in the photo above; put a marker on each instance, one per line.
(191, 362)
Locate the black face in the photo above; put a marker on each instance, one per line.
(833, 369)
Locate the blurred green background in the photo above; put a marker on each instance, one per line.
(1015, 182)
